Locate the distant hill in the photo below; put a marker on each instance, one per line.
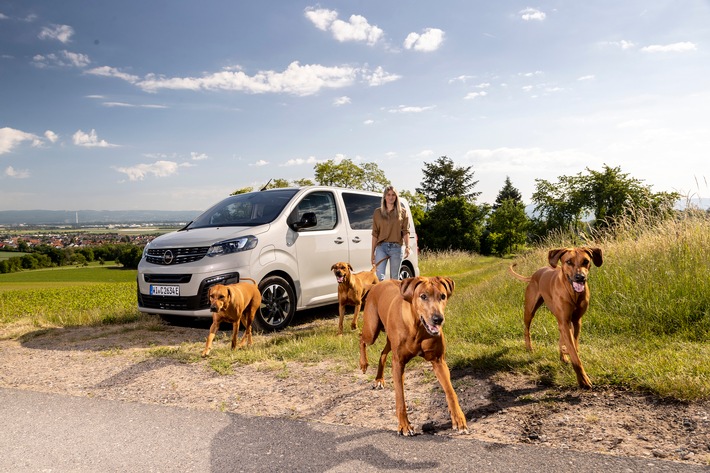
(87, 217)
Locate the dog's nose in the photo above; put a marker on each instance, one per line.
(579, 277)
(213, 308)
(437, 319)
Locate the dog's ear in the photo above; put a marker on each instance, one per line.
(553, 256)
(350, 268)
(332, 268)
(448, 284)
(229, 292)
(596, 255)
(408, 286)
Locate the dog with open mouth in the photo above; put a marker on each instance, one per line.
(411, 312)
(352, 289)
(562, 287)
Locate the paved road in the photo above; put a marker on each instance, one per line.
(54, 433)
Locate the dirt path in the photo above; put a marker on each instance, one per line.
(116, 363)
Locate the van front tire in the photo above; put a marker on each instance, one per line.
(278, 304)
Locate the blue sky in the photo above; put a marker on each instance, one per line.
(172, 105)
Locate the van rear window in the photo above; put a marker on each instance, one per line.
(360, 209)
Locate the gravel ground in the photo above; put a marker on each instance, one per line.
(116, 363)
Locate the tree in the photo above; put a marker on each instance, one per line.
(605, 196)
(417, 205)
(507, 227)
(442, 179)
(374, 178)
(454, 223)
(348, 174)
(303, 182)
(507, 192)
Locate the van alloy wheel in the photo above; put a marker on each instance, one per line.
(278, 304)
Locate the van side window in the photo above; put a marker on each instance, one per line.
(360, 209)
(323, 205)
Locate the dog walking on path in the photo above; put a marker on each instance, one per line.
(235, 303)
(562, 287)
(411, 312)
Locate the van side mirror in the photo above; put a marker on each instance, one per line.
(308, 220)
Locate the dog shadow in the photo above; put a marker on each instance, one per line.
(304, 446)
(481, 395)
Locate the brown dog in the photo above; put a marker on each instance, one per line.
(233, 303)
(411, 312)
(352, 288)
(565, 292)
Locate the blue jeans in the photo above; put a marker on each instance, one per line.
(395, 252)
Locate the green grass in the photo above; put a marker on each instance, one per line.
(11, 254)
(647, 328)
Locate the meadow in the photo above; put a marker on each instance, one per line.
(647, 328)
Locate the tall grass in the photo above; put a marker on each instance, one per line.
(648, 324)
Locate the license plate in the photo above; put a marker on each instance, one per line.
(164, 290)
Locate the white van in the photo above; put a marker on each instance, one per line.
(285, 239)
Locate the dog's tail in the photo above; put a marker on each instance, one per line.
(516, 275)
(374, 266)
(247, 279)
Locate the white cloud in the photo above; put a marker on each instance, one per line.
(461, 78)
(368, 122)
(17, 173)
(198, 156)
(11, 138)
(475, 95)
(527, 159)
(380, 77)
(62, 59)
(671, 48)
(90, 140)
(587, 77)
(430, 40)
(411, 109)
(356, 29)
(344, 100)
(106, 71)
(425, 154)
(157, 169)
(131, 105)
(260, 163)
(51, 136)
(300, 161)
(297, 79)
(62, 33)
(532, 14)
(321, 17)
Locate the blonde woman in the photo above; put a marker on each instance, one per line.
(390, 234)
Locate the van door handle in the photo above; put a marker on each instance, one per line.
(339, 241)
(356, 239)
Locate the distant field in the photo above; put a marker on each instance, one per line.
(93, 231)
(10, 254)
(66, 276)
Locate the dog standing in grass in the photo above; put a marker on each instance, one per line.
(562, 287)
(235, 303)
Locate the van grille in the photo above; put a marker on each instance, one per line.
(167, 256)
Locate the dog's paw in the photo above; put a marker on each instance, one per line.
(406, 431)
(205, 353)
(379, 384)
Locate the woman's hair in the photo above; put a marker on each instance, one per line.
(397, 205)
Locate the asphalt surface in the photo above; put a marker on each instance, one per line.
(54, 433)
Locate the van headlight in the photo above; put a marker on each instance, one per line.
(145, 250)
(233, 246)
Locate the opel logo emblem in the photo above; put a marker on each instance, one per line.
(168, 257)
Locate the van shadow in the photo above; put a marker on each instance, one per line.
(153, 331)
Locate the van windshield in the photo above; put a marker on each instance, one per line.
(245, 210)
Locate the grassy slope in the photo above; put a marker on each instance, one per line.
(647, 328)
